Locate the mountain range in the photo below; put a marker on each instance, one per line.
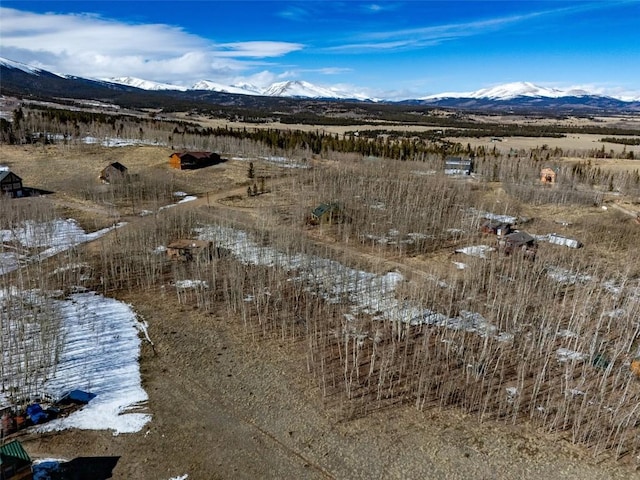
(302, 89)
(510, 96)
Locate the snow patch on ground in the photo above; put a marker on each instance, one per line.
(58, 235)
(563, 275)
(100, 354)
(476, 250)
(186, 284)
(283, 162)
(564, 355)
(9, 261)
(366, 292)
(97, 349)
(185, 199)
(120, 142)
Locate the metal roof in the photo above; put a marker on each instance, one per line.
(11, 451)
(117, 166)
(519, 237)
(198, 155)
(5, 173)
(324, 208)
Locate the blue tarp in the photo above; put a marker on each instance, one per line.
(79, 396)
(36, 414)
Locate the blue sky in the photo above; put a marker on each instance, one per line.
(387, 49)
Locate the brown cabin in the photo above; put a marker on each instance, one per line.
(548, 175)
(113, 172)
(519, 242)
(10, 184)
(189, 249)
(494, 227)
(15, 463)
(193, 160)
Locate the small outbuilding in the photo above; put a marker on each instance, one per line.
(193, 160)
(519, 242)
(495, 227)
(458, 166)
(15, 463)
(10, 183)
(190, 249)
(548, 175)
(327, 213)
(113, 172)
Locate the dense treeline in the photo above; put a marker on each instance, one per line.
(72, 121)
(622, 141)
(51, 125)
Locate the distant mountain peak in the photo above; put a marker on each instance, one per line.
(241, 89)
(21, 66)
(143, 84)
(509, 91)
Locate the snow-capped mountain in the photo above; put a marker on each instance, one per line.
(299, 88)
(241, 89)
(509, 91)
(5, 62)
(292, 88)
(521, 96)
(144, 84)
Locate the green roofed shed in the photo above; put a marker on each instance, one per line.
(327, 212)
(15, 462)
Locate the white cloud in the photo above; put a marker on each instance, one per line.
(428, 36)
(91, 46)
(414, 38)
(257, 49)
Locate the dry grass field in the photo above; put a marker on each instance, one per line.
(265, 388)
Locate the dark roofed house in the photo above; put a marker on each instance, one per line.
(458, 166)
(495, 227)
(10, 184)
(519, 242)
(113, 172)
(327, 213)
(15, 463)
(193, 160)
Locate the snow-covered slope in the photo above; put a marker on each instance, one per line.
(144, 84)
(5, 62)
(292, 88)
(241, 89)
(300, 89)
(509, 91)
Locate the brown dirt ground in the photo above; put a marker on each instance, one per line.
(225, 404)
